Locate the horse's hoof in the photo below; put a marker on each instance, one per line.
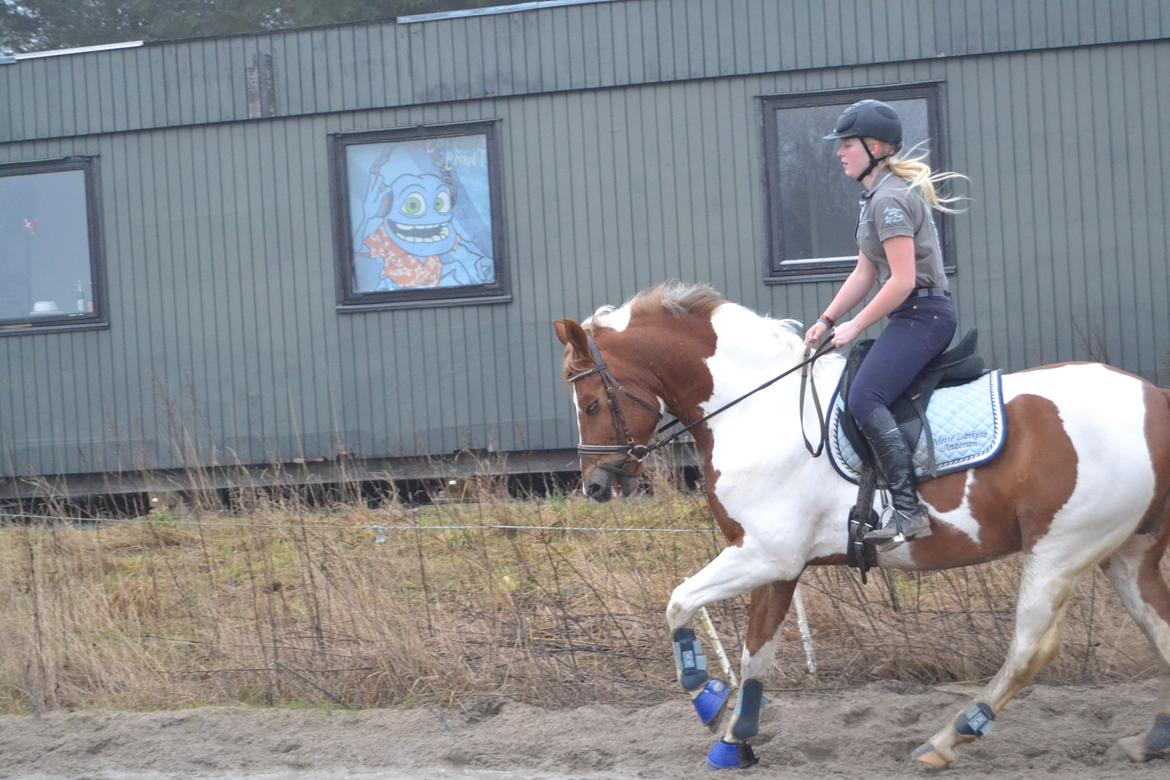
(710, 701)
(1158, 737)
(1131, 748)
(731, 755)
(927, 755)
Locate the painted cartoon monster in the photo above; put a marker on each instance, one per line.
(408, 236)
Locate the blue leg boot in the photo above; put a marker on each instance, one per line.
(689, 660)
(733, 751)
(745, 722)
(1154, 743)
(1158, 737)
(709, 696)
(976, 721)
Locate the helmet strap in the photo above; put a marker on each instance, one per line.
(873, 161)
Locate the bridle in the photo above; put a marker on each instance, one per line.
(636, 453)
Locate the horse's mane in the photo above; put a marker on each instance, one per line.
(697, 300)
(701, 300)
(674, 298)
(680, 300)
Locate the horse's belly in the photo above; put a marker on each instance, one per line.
(1082, 469)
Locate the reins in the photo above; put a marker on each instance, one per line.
(636, 453)
(807, 379)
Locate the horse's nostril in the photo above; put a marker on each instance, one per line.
(592, 489)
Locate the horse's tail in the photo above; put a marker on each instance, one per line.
(1157, 520)
(1165, 392)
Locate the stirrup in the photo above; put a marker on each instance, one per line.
(900, 528)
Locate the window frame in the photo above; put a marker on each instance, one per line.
(348, 301)
(69, 321)
(837, 268)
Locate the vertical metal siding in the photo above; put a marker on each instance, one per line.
(7, 98)
(225, 346)
(346, 68)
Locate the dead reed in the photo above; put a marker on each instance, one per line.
(279, 603)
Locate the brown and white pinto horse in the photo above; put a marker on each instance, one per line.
(1083, 480)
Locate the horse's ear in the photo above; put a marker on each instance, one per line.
(571, 334)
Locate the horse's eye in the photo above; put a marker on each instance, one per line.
(593, 408)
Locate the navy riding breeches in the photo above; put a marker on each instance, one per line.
(918, 331)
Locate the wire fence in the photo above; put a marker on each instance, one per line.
(546, 600)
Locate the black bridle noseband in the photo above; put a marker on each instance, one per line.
(636, 453)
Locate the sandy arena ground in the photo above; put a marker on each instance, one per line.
(1049, 732)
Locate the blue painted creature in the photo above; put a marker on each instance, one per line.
(408, 236)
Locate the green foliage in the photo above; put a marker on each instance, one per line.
(163, 518)
(40, 25)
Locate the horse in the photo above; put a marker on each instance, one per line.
(1082, 480)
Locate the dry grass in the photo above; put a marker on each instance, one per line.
(277, 603)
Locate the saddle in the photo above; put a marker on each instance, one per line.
(957, 366)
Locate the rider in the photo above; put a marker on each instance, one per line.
(898, 249)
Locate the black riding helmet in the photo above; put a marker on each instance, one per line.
(869, 119)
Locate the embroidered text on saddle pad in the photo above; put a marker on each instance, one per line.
(967, 423)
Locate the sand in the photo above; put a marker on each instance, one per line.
(1050, 731)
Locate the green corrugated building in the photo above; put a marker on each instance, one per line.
(206, 246)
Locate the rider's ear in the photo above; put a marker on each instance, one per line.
(571, 334)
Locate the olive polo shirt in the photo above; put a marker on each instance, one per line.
(892, 209)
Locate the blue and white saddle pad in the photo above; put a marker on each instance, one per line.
(967, 424)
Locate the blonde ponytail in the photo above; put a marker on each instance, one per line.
(917, 174)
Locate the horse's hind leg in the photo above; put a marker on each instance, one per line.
(1043, 599)
(1134, 572)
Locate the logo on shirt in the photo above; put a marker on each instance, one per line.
(894, 216)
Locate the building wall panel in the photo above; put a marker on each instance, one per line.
(352, 67)
(225, 344)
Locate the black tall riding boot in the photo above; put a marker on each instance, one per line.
(896, 466)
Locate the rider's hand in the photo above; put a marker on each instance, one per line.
(845, 332)
(813, 335)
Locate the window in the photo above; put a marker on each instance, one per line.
(49, 246)
(812, 206)
(417, 217)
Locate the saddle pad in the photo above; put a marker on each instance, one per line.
(967, 423)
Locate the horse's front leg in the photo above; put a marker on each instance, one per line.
(769, 605)
(734, 571)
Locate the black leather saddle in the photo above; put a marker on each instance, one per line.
(958, 365)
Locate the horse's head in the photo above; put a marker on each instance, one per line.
(616, 413)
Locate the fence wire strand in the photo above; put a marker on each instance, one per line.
(379, 530)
